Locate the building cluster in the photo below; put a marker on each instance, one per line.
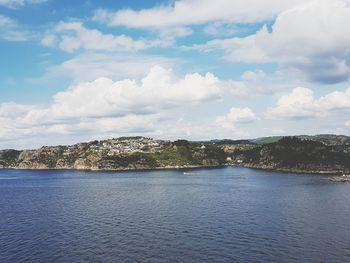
(128, 145)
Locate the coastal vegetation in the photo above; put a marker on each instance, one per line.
(296, 155)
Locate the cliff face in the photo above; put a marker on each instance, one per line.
(115, 154)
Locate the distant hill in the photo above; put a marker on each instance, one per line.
(328, 139)
(295, 155)
(228, 142)
(265, 140)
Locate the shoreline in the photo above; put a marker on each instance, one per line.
(331, 176)
(295, 171)
(191, 167)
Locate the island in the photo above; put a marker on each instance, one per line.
(320, 154)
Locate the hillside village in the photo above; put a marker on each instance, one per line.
(123, 145)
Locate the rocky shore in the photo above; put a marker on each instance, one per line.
(340, 179)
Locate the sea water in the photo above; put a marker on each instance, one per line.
(204, 215)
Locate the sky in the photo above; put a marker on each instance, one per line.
(74, 71)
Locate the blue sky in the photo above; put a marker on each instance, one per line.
(196, 69)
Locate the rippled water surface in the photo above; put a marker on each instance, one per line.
(212, 215)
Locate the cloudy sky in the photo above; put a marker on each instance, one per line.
(80, 70)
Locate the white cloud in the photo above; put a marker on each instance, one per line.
(49, 40)
(198, 131)
(159, 89)
(104, 106)
(236, 116)
(72, 36)
(19, 3)
(167, 33)
(310, 38)
(13, 110)
(194, 12)
(258, 83)
(301, 103)
(90, 66)
(5, 21)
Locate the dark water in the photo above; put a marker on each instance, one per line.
(218, 215)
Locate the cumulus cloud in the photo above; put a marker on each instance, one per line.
(301, 103)
(194, 12)
(13, 110)
(236, 116)
(307, 38)
(104, 106)
(159, 89)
